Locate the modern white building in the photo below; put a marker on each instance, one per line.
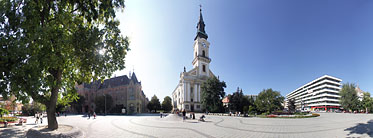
(187, 94)
(321, 94)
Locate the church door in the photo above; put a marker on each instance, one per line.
(192, 108)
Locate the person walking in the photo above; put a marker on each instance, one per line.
(89, 115)
(41, 118)
(184, 115)
(94, 115)
(36, 118)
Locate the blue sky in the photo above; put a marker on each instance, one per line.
(255, 44)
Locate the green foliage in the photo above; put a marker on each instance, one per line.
(349, 99)
(49, 46)
(252, 109)
(8, 119)
(367, 103)
(3, 112)
(291, 105)
(239, 102)
(268, 101)
(154, 104)
(100, 103)
(212, 93)
(31, 109)
(78, 104)
(166, 104)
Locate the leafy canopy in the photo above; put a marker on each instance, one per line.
(166, 104)
(349, 99)
(269, 100)
(212, 93)
(154, 104)
(47, 46)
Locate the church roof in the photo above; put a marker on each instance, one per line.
(201, 33)
(112, 82)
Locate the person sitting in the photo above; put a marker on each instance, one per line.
(202, 118)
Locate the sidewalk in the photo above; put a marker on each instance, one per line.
(14, 131)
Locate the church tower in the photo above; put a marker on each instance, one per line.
(201, 59)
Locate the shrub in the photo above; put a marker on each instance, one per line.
(314, 114)
(3, 112)
(8, 119)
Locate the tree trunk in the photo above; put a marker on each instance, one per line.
(51, 107)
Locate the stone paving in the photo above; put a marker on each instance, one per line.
(328, 125)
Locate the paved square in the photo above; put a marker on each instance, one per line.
(328, 125)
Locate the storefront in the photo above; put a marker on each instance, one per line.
(325, 108)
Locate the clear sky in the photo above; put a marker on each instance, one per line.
(255, 44)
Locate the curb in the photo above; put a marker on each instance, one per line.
(73, 133)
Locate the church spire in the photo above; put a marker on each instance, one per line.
(201, 26)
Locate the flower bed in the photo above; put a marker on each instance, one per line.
(290, 116)
(8, 119)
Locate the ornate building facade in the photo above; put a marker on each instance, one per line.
(187, 94)
(126, 93)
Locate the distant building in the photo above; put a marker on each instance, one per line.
(359, 92)
(126, 93)
(226, 101)
(11, 104)
(187, 94)
(321, 94)
(252, 96)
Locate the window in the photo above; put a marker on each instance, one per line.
(131, 93)
(203, 53)
(198, 106)
(195, 54)
(204, 68)
(186, 106)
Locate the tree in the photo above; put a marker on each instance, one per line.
(349, 99)
(212, 93)
(367, 102)
(31, 109)
(77, 105)
(239, 102)
(154, 104)
(269, 100)
(166, 104)
(3, 112)
(291, 105)
(100, 103)
(49, 46)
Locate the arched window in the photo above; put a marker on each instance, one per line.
(196, 54)
(203, 53)
(204, 68)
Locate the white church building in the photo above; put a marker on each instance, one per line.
(187, 94)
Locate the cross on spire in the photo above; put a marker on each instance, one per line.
(201, 26)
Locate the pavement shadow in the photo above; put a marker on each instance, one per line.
(11, 132)
(362, 128)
